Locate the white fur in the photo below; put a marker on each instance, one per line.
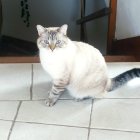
(81, 65)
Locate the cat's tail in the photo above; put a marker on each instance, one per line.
(123, 78)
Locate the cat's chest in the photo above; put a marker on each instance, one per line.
(53, 63)
(51, 58)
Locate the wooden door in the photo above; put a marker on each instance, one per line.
(127, 46)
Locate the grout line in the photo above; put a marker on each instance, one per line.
(13, 100)
(31, 87)
(6, 120)
(100, 129)
(13, 122)
(66, 99)
(105, 129)
(135, 98)
(52, 124)
(32, 100)
(90, 119)
(71, 99)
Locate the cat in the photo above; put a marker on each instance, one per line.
(77, 66)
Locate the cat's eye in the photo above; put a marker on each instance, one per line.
(58, 41)
(46, 42)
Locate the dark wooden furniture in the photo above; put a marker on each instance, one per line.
(128, 46)
(82, 22)
(111, 25)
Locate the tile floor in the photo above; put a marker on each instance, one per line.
(24, 116)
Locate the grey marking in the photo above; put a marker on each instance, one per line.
(56, 94)
(123, 78)
(52, 34)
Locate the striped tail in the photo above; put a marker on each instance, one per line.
(123, 78)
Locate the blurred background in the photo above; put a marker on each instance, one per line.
(20, 17)
(18, 20)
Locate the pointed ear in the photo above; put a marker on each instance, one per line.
(63, 29)
(40, 29)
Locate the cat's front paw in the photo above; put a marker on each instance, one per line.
(50, 102)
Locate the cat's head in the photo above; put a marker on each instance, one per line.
(52, 37)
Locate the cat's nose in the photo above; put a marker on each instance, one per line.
(52, 47)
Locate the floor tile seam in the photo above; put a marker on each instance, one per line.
(6, 120)
(117, 98)
(73, 100)
(45, 99)
(37, 100)
(90, 119)
(13, 122)
(70, 99)
(29, 100)
(31, 85)
(49, 124)
(13, 100)
(117, 130)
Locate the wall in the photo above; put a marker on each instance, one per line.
(53, 13)
(128, 19)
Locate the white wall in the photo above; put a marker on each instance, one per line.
(128, 19)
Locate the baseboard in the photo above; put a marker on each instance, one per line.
(33, 59)
(128, 46)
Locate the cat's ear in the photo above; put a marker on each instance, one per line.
(63, 29)
(40, 29)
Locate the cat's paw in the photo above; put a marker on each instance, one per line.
(50, 102)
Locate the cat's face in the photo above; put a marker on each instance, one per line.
(52, 38)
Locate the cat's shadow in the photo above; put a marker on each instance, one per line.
(130, 90)
(41, 91)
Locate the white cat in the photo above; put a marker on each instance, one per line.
(77, 66)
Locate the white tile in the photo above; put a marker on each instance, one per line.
(113, 135)
(115, 68)
(42, 83)
(4, 129)
(119, 114)
(8, 110)
(65, 112)
(15, 81)
(25, 131)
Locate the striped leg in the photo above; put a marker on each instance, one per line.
(57, 89)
